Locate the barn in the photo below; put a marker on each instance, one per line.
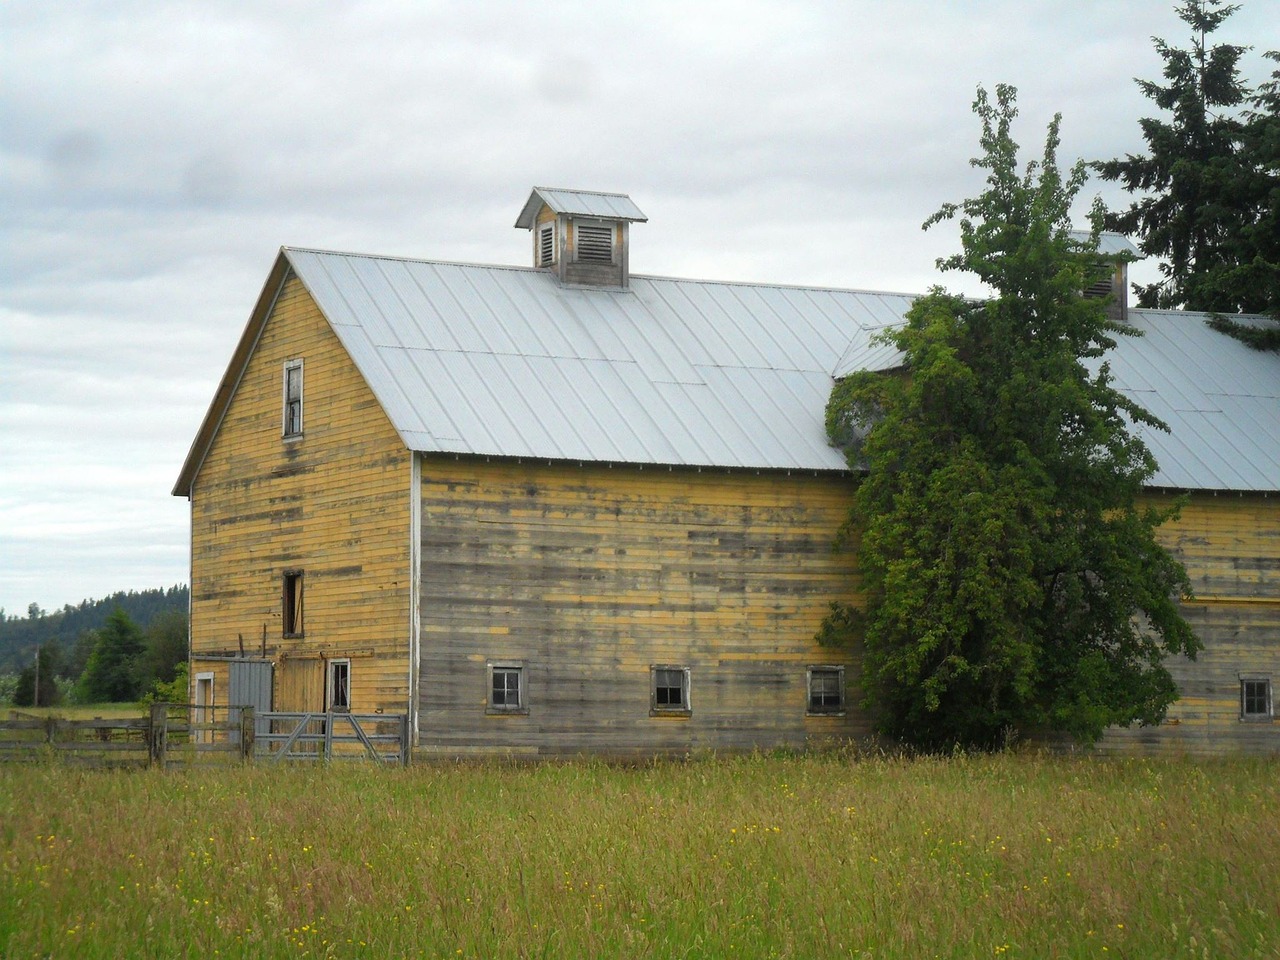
(563, 508)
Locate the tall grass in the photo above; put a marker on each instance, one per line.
(814, 856)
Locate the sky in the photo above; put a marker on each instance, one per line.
(155, 155)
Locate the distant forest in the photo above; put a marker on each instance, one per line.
(20, 636)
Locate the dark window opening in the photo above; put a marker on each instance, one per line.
(670, 690)
(293, 399)
(291, 606)
(1255, 699)
(826, 690)
(340, 686)
(506, 687)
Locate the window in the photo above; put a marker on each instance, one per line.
(293, 399)
(506, 688)
(669, 690)
(826, 690)
(291, 604)
(338, 687)
(546, 244)
(1255, 698)
(594, 242)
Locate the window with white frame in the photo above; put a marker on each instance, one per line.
(339, 686)
(507, 688)
(669, 690)
(292, 420)
(1255, 698)
(826, 690)
(593, 242)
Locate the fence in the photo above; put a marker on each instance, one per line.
(182, 734)
(333, 736)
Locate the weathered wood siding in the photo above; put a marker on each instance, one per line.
(588, 576)
(1230, 545)
(334, 503)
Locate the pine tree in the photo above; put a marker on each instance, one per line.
(1197, 196)
(116, 668)
(1012, 581)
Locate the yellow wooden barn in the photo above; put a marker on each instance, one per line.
(563, 508)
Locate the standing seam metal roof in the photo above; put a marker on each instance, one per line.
(503, 361)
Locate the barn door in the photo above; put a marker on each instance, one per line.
(249, 686)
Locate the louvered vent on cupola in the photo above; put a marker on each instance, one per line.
(1116, 252)
(581, 236)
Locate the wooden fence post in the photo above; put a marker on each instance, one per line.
(247, 728)
(158, 734)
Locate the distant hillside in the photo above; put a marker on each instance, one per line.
(19, 636)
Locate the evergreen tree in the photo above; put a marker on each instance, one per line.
(37, 682)
(1199, 197)
(1258, 272)
(1012, 584)
(166, 645)
(116, 668)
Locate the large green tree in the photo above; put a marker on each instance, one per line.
(1012, 582)
(116, 670)
(1203, 187)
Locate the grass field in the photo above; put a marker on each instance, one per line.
(87, 711)
(761, 856)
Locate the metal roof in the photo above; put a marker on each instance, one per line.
(579, 203)
(1219, 397)
(506, 362)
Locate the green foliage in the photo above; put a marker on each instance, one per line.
(1208, 186)
(115, 671)
(787, 858)
(19, 637)
(177, 690)
(166, 639)
(38, 681)
(1012, 583)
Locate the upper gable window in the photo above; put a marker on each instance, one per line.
(546, 244)
(593, 242)
(292, 399)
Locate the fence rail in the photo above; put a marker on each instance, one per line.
(184, 734)
(333, 736)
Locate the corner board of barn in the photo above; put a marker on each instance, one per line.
(562, 509)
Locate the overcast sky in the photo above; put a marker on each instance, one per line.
(156, 155)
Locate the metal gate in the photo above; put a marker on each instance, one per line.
(249, 686)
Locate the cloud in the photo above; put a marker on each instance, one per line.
(155, 156)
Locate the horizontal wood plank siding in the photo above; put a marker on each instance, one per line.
(588, 576)
(1230, 545)
(333, 503)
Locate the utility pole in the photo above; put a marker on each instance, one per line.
(36, 695)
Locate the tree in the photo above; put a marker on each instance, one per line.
(1203, 187)
(115, 669)
(1012, 584)
(166, 638)
(1259, 269)
(37, 682)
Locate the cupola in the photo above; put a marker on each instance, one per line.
(1116, 251)
(581, 235)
